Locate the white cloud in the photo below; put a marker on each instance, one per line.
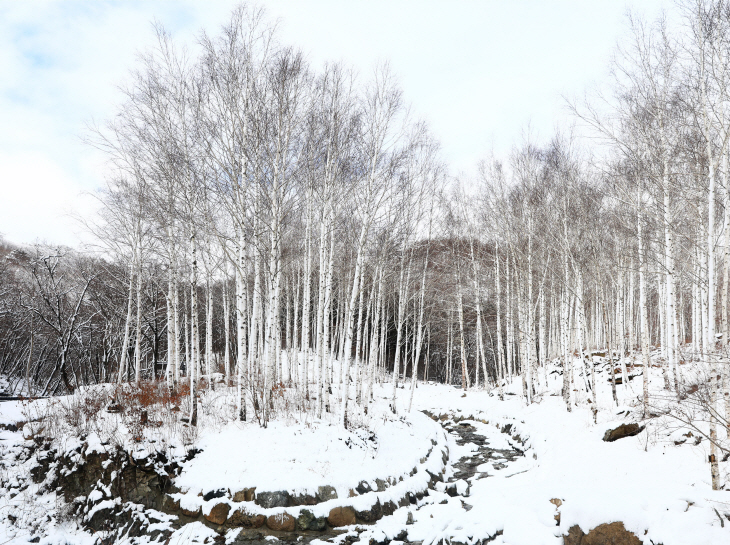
(37, 199)
(477, 71)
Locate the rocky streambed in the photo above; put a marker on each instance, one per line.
(478, 458)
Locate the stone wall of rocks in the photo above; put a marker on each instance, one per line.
(282, 511)
(103, 488)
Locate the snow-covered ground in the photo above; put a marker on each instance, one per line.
(659, 490)
(301, 458)
(657, 482)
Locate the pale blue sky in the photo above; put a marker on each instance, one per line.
(477, 71)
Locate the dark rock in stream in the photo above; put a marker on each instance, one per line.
(466, 467)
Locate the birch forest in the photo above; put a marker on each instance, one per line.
(269, 226)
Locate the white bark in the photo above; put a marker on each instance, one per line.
(127, 323)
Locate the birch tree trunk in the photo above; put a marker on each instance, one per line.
(374, 343)
(226, 330)
(138, 340)
(419, 331)
(402, 303)
(567, 363)
(209, 332)
(464, 370)
(127, 323)
(643, 309)
(350, 324)
(508, 320)
(306, 303)
(500, 353)
(169, 301)
(363, 331)
(194, 344)
(241, 355)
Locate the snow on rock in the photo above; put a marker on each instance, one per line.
(195, 532)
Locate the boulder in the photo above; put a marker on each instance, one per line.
(624, 430)
(189, 512)
(405, 500)
(307, 521)
(341, 516)
(389, 508)
(326, 492)
(281, 522)
(318, 524)
(612, 533)
(433, 479)
(268, 500)
(214, 494)
(304, 519)
(247, 494)
(363, 488)
(102, 519)
(374, 514)
(302, 499)
(170, 504)
(574, 536)
(218, 513)
(241, 517)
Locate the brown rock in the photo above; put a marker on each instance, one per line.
(326, 492)
(624, 430)
(282, 522)
(241, 517)
(613, 533)
(341, 516)
(557, 502)
(574, 537)
(170, 504)
(218, 514)
(247, 494)
(188, 513)
(302, 499)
